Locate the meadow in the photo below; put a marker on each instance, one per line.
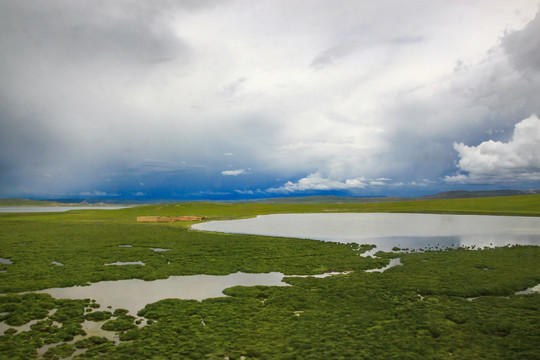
(453, 304)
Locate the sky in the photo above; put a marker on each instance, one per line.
(202, 99)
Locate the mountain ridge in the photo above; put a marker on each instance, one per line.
(455, 194)
(315, 199)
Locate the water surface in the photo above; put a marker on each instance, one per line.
(385, 230)
(135, 294)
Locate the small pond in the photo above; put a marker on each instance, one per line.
(386, 230)
(134, 294)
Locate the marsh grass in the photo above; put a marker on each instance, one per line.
(416, 311)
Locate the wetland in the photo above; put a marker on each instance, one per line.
(416, 310)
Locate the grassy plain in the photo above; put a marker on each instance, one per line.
(523, 205)
(416, 311)
(26, 202)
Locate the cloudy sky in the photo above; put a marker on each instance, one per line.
(210, 99)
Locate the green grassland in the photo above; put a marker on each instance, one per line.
(26, 202)
(419, 310)
(523, 205)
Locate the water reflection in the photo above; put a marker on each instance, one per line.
(393, 262)
(412, 231)
(534, 289)
(133, 295)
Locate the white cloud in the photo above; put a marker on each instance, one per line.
(215, 193)
(316, 182)
(336, 87)
(139, 193)
(495, 161)
(233, 172)
(245, 192)
(97, 193)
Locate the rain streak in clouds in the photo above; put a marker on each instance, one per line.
(225, 99)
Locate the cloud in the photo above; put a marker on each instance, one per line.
(316, 182)
(98, 193)
(160, 166)
(161, 92)
(233, 172)
(214, 193)
(496, 161)
(245, 192)
(330, 56)
(234, 87)
(522, 47)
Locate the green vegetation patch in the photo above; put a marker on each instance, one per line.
(98, 316)
(524, 205)
(60, 351)
(420, 310)
(26, 202)
(85, 248)
(355, 316)
(457, 304)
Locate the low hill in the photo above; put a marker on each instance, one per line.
(461, 194)
(328, 199)
(458, 194)
(26, 202)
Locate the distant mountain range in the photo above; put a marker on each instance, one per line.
(323, 199)
(459, 194)
(26, 202)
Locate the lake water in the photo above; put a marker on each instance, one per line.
(25, 209)
(412, 231)
(134, 294)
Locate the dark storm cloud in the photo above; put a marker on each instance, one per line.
(82, 30)
(523, 47)
(123, 97)
(62, 61)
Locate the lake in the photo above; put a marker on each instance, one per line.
(386, 230)
(134, 294)
(26, 209)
